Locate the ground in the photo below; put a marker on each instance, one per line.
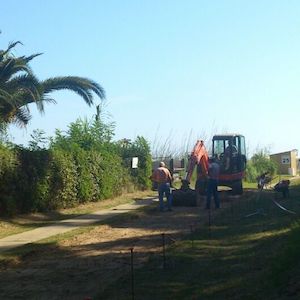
(83, 264)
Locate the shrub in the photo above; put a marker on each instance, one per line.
(258, 164)
(141, 149)
(33, 184)
(251, 172)
(81, 165)
(63, 181)
(8, 179)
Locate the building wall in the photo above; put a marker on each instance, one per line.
(294, 161)
(286, 161)
(277, 158)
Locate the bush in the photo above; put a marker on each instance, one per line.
(141, 149)
(63, 180)
(81, 165)
(33, 183)
(101, 173)
(86, 185)
(258, 164)
(251, 172)
(8, 179)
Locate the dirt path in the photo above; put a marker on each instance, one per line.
(60, 227)
(82, 266)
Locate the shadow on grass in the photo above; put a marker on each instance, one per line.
(236, 257)
(50, 270)
(233, 258)
(25, 222)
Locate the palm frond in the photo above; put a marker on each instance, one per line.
(27, 82)
(11, 66)
(12, 114)
(22, 81)
(29, 58)
(10, 46)
(82, 86)
(21, 117)
(19, 87)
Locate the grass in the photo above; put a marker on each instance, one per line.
(249, 185)
(15, 256)
(255, 257)
(237, 257)
(22, 223)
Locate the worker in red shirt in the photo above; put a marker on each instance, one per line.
(164, 179)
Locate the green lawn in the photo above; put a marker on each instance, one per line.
(240, 256)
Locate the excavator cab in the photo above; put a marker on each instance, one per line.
(230, 153)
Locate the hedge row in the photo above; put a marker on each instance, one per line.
(43, 180)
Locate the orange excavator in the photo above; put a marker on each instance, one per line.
(229, 152)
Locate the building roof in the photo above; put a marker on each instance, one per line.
(293, 150)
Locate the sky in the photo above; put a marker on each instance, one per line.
(173, 71)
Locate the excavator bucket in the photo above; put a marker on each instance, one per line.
(185, 196)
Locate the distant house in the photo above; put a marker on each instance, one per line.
(287, 162)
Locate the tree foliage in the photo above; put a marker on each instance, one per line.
(84, 134)
(38, 140)
(19, 87)
(258, 164)
(82, 164)
(139, 148)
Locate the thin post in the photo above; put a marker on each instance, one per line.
(132, 274)
(192, 234)
(209, 222)
(164, 250)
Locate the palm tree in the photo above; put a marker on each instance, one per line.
(19, 87)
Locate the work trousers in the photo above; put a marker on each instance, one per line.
(212, 189)
(164, 189)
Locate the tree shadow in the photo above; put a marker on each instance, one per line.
(99, 260)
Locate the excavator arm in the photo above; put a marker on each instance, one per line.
(199, 156)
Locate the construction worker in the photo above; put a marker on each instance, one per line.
(212, 186)
(261, 180)
(283, 187)
(164, 179)
(230, 151)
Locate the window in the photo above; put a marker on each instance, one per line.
(243, 147)
(285, 159)
(218, 147)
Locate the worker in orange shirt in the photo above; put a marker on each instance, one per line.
(164, 179)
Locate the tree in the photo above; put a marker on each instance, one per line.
(19, 87)
(139, 148)
(94, 134)
(260, 163)
(38, 140)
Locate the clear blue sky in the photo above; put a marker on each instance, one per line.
(168, 67)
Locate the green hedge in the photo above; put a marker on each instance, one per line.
(32, 185)
(140, 149)
(8, 179)
(40, 180)
(63, 180)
